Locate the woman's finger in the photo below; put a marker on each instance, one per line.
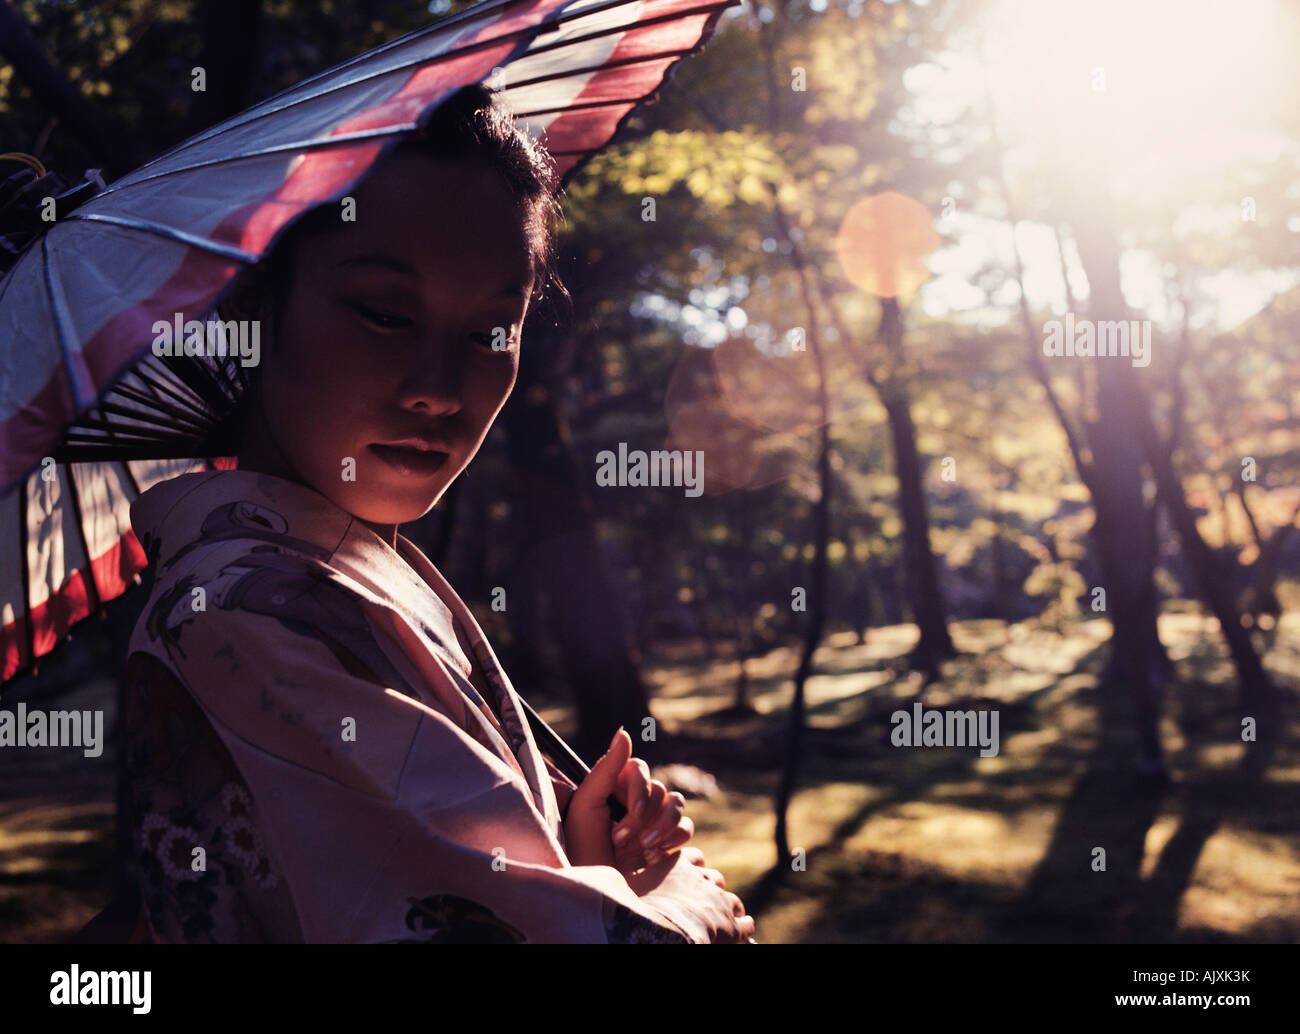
(658, 818)
(623, 830)
(634, 781)
(658, 794)
(671, 807)
(678, 835)
(665, 832)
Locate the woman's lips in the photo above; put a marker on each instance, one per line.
(413, 462)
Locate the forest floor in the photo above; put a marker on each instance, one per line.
(897, 844)
(938, 844)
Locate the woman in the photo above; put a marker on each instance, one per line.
(322, 746)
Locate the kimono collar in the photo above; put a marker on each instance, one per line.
(203, 509)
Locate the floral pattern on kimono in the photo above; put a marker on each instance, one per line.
(186, 794)
(323, 747)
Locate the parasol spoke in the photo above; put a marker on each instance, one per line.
(164, 420)
(194, 416)
(25, 604)
(585, 106)
(194, 240)
(79, 520)
(170, 382)
(177, 449)
(569, 73)
(202, 379)
(100, 446)
(62, 323)
(295, 147)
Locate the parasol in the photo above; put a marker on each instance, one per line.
(90, 417)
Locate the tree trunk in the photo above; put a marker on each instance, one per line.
(1124, 532)
(928, 610)
(744, 649)
(1109, 464)
(1257, 696)
(821, 535)
(812, 637)
(1262, 596)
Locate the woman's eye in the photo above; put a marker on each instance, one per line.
(383, 320)
(497, 340)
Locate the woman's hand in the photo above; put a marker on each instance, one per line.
(653, 827)
(695, 897)
(587, 825)
(655, 824)
(677, 882)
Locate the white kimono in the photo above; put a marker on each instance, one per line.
(314, 757)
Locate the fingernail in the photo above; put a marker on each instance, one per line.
(638, 811)
(650, 838)
(621, 834)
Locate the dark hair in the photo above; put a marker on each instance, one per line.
(471, 124)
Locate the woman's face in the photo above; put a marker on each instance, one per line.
(387, 340)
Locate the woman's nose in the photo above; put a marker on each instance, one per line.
(434, 381)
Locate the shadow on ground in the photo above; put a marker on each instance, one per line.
(895, 844)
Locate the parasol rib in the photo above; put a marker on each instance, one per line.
(194, 240)
(146, 371)
(145, 419)
(200, 379)
(569, 73)
(95, 601)
(62, 322)
(87, 437)
(176, 449)
(572, 107)
(28, 623)
(132, 395)
(295, 147)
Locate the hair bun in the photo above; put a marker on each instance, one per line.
(22, 203)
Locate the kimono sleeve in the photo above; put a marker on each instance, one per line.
(385, 814)
(563, 786)
(196, 854)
